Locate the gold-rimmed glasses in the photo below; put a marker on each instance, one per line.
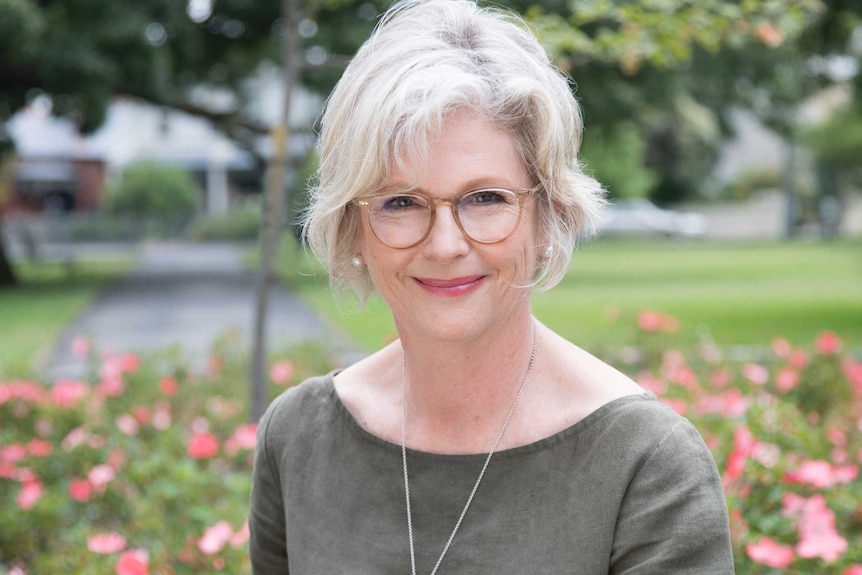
(402, 220)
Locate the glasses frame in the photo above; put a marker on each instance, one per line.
(520, 193)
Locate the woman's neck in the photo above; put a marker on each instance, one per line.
(459, 393)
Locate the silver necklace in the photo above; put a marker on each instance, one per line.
(481, 473)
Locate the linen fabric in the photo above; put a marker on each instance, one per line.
(630, 489)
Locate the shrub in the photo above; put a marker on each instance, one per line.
(150, 462)
(242, 224)
(150, 189)
(751, 181)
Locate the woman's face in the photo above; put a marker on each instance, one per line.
(448, 287)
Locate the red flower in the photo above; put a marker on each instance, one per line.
(828, 343)
(769, 553)
(203, 446)
(106, 543)
(132, 563)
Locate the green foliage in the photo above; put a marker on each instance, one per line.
(154, 438)
(837, 142)
(240, 224)
(615, 156)
(153, 451)
(153, 189)
(751, 181)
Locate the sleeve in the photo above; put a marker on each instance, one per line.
(267, 525)
(673, 519)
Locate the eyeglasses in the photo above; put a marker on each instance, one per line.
(486, 216)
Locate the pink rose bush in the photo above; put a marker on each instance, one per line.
(784, 424)
(145, 469)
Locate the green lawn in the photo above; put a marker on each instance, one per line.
(736, 293)
(48, 298)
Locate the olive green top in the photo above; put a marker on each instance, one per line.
(632, 488)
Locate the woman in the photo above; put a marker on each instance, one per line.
(479, 441)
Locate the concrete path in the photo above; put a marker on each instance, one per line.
(186, 295)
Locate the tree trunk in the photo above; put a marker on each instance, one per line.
(274, 202)
(7, 274)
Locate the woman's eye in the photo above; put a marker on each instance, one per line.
(399, 203)
(484, 197)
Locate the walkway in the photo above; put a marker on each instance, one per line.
(186, 295)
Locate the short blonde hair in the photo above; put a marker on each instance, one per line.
(426, 59)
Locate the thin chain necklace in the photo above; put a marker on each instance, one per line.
(481, 473)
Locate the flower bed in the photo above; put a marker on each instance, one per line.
(145, 467)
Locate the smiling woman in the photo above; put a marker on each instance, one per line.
(479, 441)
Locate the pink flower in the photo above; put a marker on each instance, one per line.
(244, 437)
(821, 474)
(818, 537)
(112, 385)
(13, 452)
(74, 438)
(80, 490)
(744, 444)
(168, 386)
(39, 448)
(281, 372)
(132, 563)
(68, 392)
(651, 321)
(769, 553)
(80, 346)
(786, 379)
(162, 416)
(781, 347)
(31, 492)
(240, 537)
(797, 359)
(828, 343)
(853, 570)
(756, 374)
(203, 446)
(128, 424)
(106, 543)
(853, 373)
(215, 538)
(100, 476)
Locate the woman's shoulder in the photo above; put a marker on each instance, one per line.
(298, 405)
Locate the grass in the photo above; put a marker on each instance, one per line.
(735, 293)
(33, 314)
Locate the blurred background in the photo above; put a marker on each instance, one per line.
(720, 128)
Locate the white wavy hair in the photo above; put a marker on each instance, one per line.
(426, 59)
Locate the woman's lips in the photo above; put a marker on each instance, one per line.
(452, 287)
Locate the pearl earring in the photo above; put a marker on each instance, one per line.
(357, 262)
(549, 250)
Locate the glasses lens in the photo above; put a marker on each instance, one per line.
(489, 215)
(399, 221)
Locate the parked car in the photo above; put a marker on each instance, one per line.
(642, 217)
